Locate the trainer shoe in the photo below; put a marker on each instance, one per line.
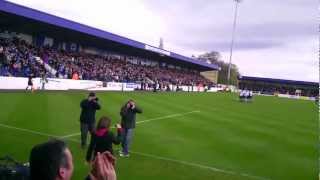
(124, 155)
(120, 152)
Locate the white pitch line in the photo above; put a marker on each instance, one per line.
(32, 132)
(146, 155)
(166, 117)
(199, 165)
(29, 131)
(70, 135)
(139, 122)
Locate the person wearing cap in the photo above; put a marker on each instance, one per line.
(87, 117)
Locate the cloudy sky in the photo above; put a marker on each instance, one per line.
(274, 38)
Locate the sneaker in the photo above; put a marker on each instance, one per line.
(120, 153)
(124, 155)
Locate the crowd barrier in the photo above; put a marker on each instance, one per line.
(296, 97)
(20, 83)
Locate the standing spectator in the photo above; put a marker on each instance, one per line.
(87, 117)
(30, 84)
(103, 138)
(2, 56)
(52, 160)
(128, 123)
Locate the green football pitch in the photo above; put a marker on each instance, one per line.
(187, 136)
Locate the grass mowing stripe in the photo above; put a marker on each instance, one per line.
(144, 121)
(147, 155)
(166, 117)
(32, 132)
(271, 137)
(199, 165)
(29, 131)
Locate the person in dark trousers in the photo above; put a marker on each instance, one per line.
(30, 83)
(103, 138)
(87, 117)
(128, 123)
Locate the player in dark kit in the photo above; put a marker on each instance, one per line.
(87, 117)
(30, 84)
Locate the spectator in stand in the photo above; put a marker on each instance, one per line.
(75, 65)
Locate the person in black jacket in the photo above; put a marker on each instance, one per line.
(87, 117)
(30, 83)
(103, 139)
(128, 123)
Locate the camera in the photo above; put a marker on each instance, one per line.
(12, 170)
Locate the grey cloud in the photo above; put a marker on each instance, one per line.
(207, 24)
(225, 45)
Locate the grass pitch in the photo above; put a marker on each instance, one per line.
(185, 136)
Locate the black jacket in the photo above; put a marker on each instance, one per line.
(128, 116)
(88, 111)
(102, 141)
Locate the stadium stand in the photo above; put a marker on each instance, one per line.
(35, 43)
(279, 86)
(20, 61)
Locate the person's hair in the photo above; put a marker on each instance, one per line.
(130, 100)
(104, 122)
(46, 160)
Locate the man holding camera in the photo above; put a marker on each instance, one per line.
(87, 117)
(128, 123)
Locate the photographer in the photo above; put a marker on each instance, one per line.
(87, 117)
(128, 123)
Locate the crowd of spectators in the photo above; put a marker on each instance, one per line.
(17, 58)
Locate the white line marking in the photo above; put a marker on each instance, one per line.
(146, 155)
(70, 135)
(198, 165)
(32, 132)
(29, 131)
(166, 117)
(139, 122)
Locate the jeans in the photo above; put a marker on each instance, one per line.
(84, 128)
(126, 141)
